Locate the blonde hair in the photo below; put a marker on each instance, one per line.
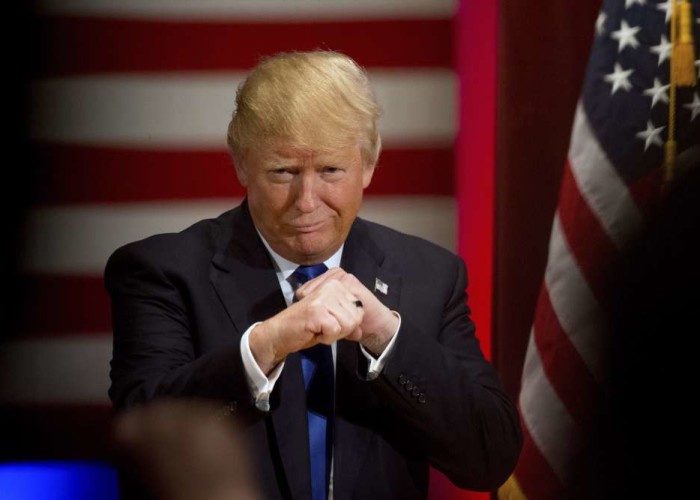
(320, 100)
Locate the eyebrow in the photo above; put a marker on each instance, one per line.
(276, 161)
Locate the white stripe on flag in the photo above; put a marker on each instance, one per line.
(253, 9)
(573, 302)
(548, 422)
(68, 369)
(78, 239)
(430, 217)
(192, 111)
(601, 186)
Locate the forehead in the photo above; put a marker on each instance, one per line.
(282, 153)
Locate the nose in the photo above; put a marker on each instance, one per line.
(306, 199)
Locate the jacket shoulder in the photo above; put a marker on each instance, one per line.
(197, 243)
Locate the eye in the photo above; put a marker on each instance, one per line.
(281, 174)
(332, 171)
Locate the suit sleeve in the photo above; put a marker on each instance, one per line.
(448, 399)
(154, 353)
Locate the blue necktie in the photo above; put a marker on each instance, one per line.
(317, 366)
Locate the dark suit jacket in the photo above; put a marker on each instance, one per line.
(182, 301)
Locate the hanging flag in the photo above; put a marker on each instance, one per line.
(632, 120)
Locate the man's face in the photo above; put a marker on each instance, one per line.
(304, 202)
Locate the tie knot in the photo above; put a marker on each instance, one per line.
(302, 274)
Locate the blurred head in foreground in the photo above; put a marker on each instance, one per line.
(184, 450)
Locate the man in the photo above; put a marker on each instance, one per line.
(239, 309)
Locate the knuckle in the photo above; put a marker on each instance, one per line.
(336, 328)
(328, 285)
(316, 307)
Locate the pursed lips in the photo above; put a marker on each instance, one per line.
(306, 228)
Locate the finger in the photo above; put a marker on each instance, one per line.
(334, 299)
(351, 304)
(348, 316)
(311, 286)
(354, 285)
(330, 329)
(307, 288)
(356, 335)
(321, 321)
(328, 290)
(335, 292)
(369, 300)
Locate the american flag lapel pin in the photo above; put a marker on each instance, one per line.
(381, 287)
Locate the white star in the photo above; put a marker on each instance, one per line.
(667, 6)
(629, 3)
(619, 78)
(657, 92)
(625, 35)
(600, 23)
(663, 50)
(694, 107)
(651, 135)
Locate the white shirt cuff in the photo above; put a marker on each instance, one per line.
(376, 365)
(260, 385)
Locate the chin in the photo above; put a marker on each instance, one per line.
(315, 250)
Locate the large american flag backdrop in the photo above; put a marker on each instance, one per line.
(128, 114)
(610, 180)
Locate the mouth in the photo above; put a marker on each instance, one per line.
(306, 228)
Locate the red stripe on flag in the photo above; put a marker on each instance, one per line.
(82, 174)
(124, 45)
(535, 476)
(646, 191)
(588, 242)
(566, 371)
(414, 171)
(67, 305)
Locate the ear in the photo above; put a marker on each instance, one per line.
(241, 173)
(367, 174)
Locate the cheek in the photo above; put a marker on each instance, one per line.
(265, 206)
(269, 198)
(346, 202)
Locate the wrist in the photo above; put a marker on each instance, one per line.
(262, 346)
(377, 341)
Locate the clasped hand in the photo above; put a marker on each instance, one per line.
(325, 311)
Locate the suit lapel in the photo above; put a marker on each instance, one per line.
(245, 281)
(289, 426)
(363, 258)
(243, 274)
(352, 442)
